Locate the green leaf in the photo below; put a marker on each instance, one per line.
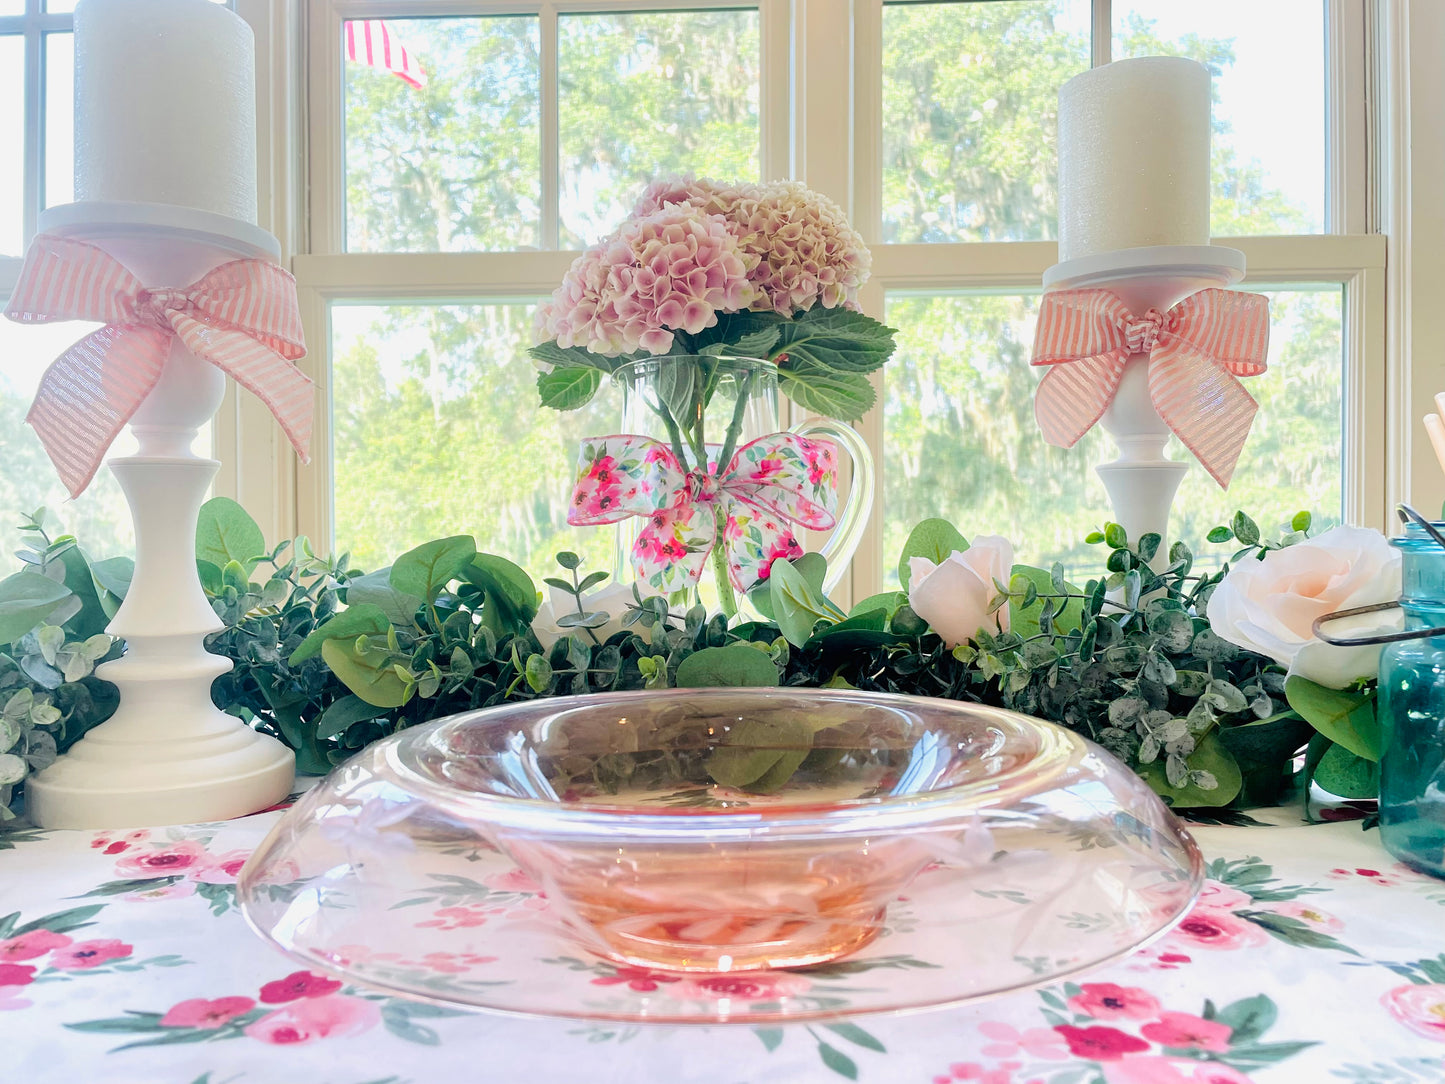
(568, 387)
(226, 532)
(342, 713)
(376, 589)
(1024, 620)
(1249, 1018)
(549, 353)
(796, 606)
(1264, 751)
(1219, 534)
(839, 339)
(822, 390)
(1346, 774)
(935, 539)
(1210, 756)
(838, 1061)
(1345, 718)
(737, 665)
(1293, 931)
(61, 921)
(363, 619)
(1301, 522)
(510, 597)
(857, 1036)
(369, 674)
(888, 602)
(760, 754)
(1115, 536)
(112, 578)
(27, 599)
(772, 1038)
(92, 617)
(427, 569)
(1245, 529)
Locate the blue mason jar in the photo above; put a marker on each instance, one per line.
(1412, 713)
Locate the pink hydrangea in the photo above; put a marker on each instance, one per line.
(800, 249)
(672, 270)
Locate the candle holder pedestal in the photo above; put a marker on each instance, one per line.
(168, 755)
(1142, 481)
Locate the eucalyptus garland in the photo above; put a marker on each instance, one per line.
(328, 658)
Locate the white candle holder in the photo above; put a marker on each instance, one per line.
(1142, 481)
(168, 755)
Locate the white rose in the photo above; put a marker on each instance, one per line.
(612, 600)
(1269, 606)
(953, 597)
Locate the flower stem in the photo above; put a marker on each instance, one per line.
(735, 426)
(726, 599)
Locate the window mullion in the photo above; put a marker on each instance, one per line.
(33, 191)
(1101, 36)
(550, 129)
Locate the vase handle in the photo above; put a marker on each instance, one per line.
(843, 542)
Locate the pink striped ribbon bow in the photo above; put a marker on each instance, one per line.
(241, 317)
(1197, 352)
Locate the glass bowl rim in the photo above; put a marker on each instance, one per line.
(935, 809)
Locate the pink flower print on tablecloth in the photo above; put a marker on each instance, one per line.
(16, 975)
(163, 891)
(178, 857)
(641, 979)
(751, 986)
(221, 869)
(1216, 929)
(1421, 1008)
(972, 1071)
(83, 955)
(296, 985)
(451, 963)
(1007, 1041)
(1220, 895)
(460, 917)
(1155, 1069)
(1365, 873)
(1182, 1029)
(199, 1012)
(1307, 913)
(304, 1021)
(1109, 1001)
(109, 844)
(27, 946)
(1100, 1043)
(514, 880)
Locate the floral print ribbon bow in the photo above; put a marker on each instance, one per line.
(1197, 352)
(771, 482)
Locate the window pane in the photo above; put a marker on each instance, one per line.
(12, 7)
(59, 119)
(651, 93)
(453, 165)
(970, 108)
(437, 431)
(99, 518)
(12, 145)
(1268, 61)
(960, 439)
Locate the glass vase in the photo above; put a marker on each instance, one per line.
(1412, 714)
(705, 409)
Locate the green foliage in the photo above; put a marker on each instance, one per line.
(934, 539)
(329, 659)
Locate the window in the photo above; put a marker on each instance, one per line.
(429, 203)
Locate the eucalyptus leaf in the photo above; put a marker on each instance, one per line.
(426, 570)
(368, 674)
(342, 713)
(797, 607)
(225, 532)
(1346, 718)
(26, 599)
(1211, 756)
(363, 619)
(510, 597)
(377, 589)
(934, 539)
(738, 665)
(760, 754)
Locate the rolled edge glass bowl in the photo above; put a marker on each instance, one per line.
(539, 857)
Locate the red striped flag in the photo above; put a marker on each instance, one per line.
(373, 43)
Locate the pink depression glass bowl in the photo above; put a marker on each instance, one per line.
(720, 830)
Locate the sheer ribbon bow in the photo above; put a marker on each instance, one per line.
(774, 481)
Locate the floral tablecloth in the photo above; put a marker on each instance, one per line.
(1311, 956)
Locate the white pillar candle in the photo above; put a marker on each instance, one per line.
(1134, 156)
(165, 105)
